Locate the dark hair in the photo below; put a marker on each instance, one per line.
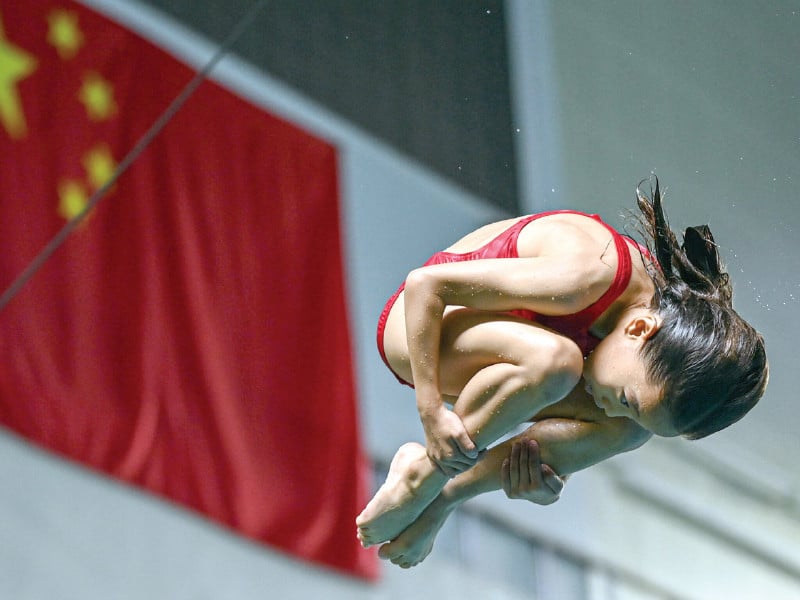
(711, 363)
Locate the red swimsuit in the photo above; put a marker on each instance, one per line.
(575, 326)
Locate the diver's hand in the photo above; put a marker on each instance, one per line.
(524, 477)
(447, 442)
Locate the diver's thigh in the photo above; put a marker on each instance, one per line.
(473, 340)
(395, 345)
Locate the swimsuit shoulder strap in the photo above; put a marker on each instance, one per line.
(508, 239)
(617, 287)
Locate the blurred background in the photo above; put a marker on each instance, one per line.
(447, 114)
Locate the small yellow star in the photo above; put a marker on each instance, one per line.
(99, 165)
(97, 95)
(72, 198)
(15, 65)
(64, 34)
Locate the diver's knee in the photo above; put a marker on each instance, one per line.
(557, 365)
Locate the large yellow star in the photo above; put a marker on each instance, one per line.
(97, 95)
(72, 198)
(64, 34)
(99, 165)
(15, 65)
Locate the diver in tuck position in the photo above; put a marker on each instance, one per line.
(559, 320)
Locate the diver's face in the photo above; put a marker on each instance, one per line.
(616, 376)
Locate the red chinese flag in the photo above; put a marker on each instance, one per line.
(191, 336)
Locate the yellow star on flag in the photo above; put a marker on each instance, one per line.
(99, 165)
(15, 65)
(72, 198)
(64, 34)
(97, 95)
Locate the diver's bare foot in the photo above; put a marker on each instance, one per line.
(412, 483)
(415, 543)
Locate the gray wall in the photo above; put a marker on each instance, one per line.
(429, 78)
(706, 95)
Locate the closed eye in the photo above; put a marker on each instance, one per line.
(632, 403)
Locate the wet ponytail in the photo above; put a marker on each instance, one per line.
(711, 363)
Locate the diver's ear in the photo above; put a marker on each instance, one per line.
(643, 326)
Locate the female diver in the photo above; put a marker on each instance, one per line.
(558, 320)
